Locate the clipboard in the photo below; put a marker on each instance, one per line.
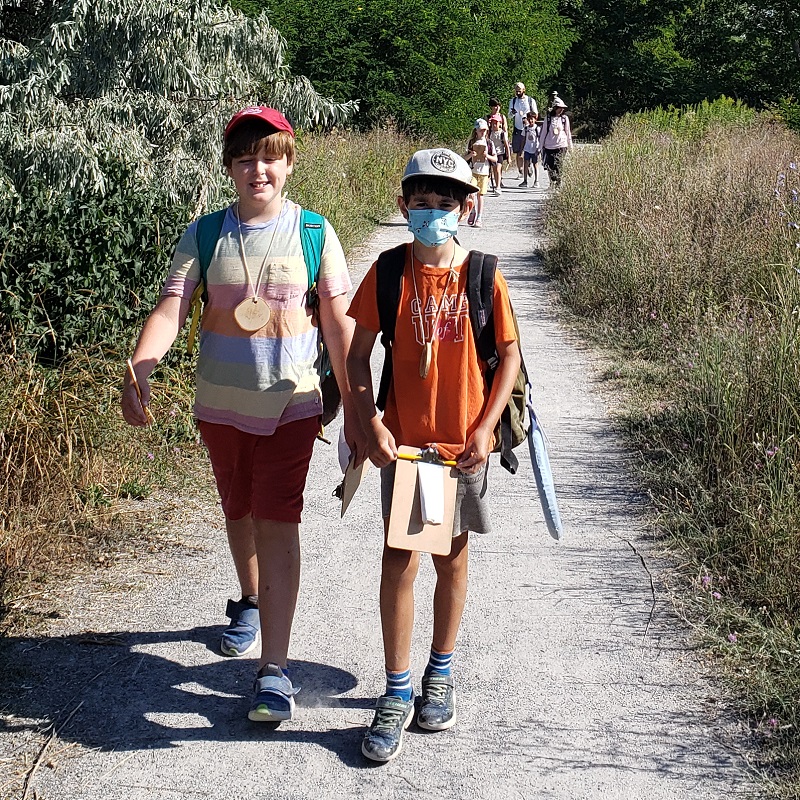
(351, 481)
(406, 528)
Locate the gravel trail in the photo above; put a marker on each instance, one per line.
(575, 679)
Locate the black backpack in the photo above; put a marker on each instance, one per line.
(512, 429)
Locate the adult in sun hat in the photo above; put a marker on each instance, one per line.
(519, 106)
(555, 139)
(258, 400)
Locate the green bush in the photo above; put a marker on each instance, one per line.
(83, 271)
(430, 65)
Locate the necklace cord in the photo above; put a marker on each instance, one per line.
(254, 291)
(451, 273)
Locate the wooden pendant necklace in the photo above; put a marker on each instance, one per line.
(427, 343)
(253, 313)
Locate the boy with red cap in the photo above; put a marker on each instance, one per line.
(258, 400)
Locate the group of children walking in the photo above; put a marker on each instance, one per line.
(489, 151)
(258, 400)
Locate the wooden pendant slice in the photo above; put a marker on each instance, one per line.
(425, 360)
(252, 314)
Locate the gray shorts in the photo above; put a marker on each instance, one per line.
(472, 506)
(518, 141)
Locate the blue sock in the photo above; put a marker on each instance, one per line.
(439, 663)
(398, 684)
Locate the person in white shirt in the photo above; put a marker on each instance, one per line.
(518, 108)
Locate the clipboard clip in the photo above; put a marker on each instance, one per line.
(430, 455)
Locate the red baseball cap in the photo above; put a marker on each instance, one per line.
(271, 116)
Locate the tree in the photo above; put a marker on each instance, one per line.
(638, 54)
(431, 65)
(149, 81)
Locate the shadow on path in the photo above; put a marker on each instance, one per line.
(120, 694)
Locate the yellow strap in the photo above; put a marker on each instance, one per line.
(197, 304)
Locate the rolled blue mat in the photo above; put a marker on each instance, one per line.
(543, 475)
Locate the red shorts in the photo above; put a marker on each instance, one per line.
(261, 475)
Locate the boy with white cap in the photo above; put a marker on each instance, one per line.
(446, 403)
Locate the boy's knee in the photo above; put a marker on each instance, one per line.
(450, 568)
(400, 564)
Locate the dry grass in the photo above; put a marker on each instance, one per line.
(67, 461)
(678, 241)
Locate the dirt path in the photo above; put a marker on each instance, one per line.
(575, 679)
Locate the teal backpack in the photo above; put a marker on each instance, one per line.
(312, 238)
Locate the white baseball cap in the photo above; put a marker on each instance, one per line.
(439, 162)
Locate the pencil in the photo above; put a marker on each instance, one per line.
(147, 412)
(409, 457)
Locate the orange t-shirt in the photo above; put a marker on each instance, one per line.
(445, 408)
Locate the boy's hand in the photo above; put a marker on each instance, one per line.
(476, 451)
(132, 408)
(355, 437)
(382, 449)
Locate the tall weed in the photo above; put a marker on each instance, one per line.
(678, 241)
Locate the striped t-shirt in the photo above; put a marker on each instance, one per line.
(258, 380)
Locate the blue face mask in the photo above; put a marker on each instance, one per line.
(432, 226)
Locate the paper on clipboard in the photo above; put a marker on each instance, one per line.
(406, 528)
(351, 481)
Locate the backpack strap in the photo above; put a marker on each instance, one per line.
(480, 294)
(207, 232)
(312, 238)
(389, 279)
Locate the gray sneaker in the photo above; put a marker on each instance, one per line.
(383, 740)
(437, 710)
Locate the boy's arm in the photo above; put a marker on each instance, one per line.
(337, 329)
(381, 448)
(478, 445)
(159, 332)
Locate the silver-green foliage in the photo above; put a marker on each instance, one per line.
(111, 120)
(149, 81)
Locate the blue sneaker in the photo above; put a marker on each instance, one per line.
(242, 635)
(274, 700)
(383, 740)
